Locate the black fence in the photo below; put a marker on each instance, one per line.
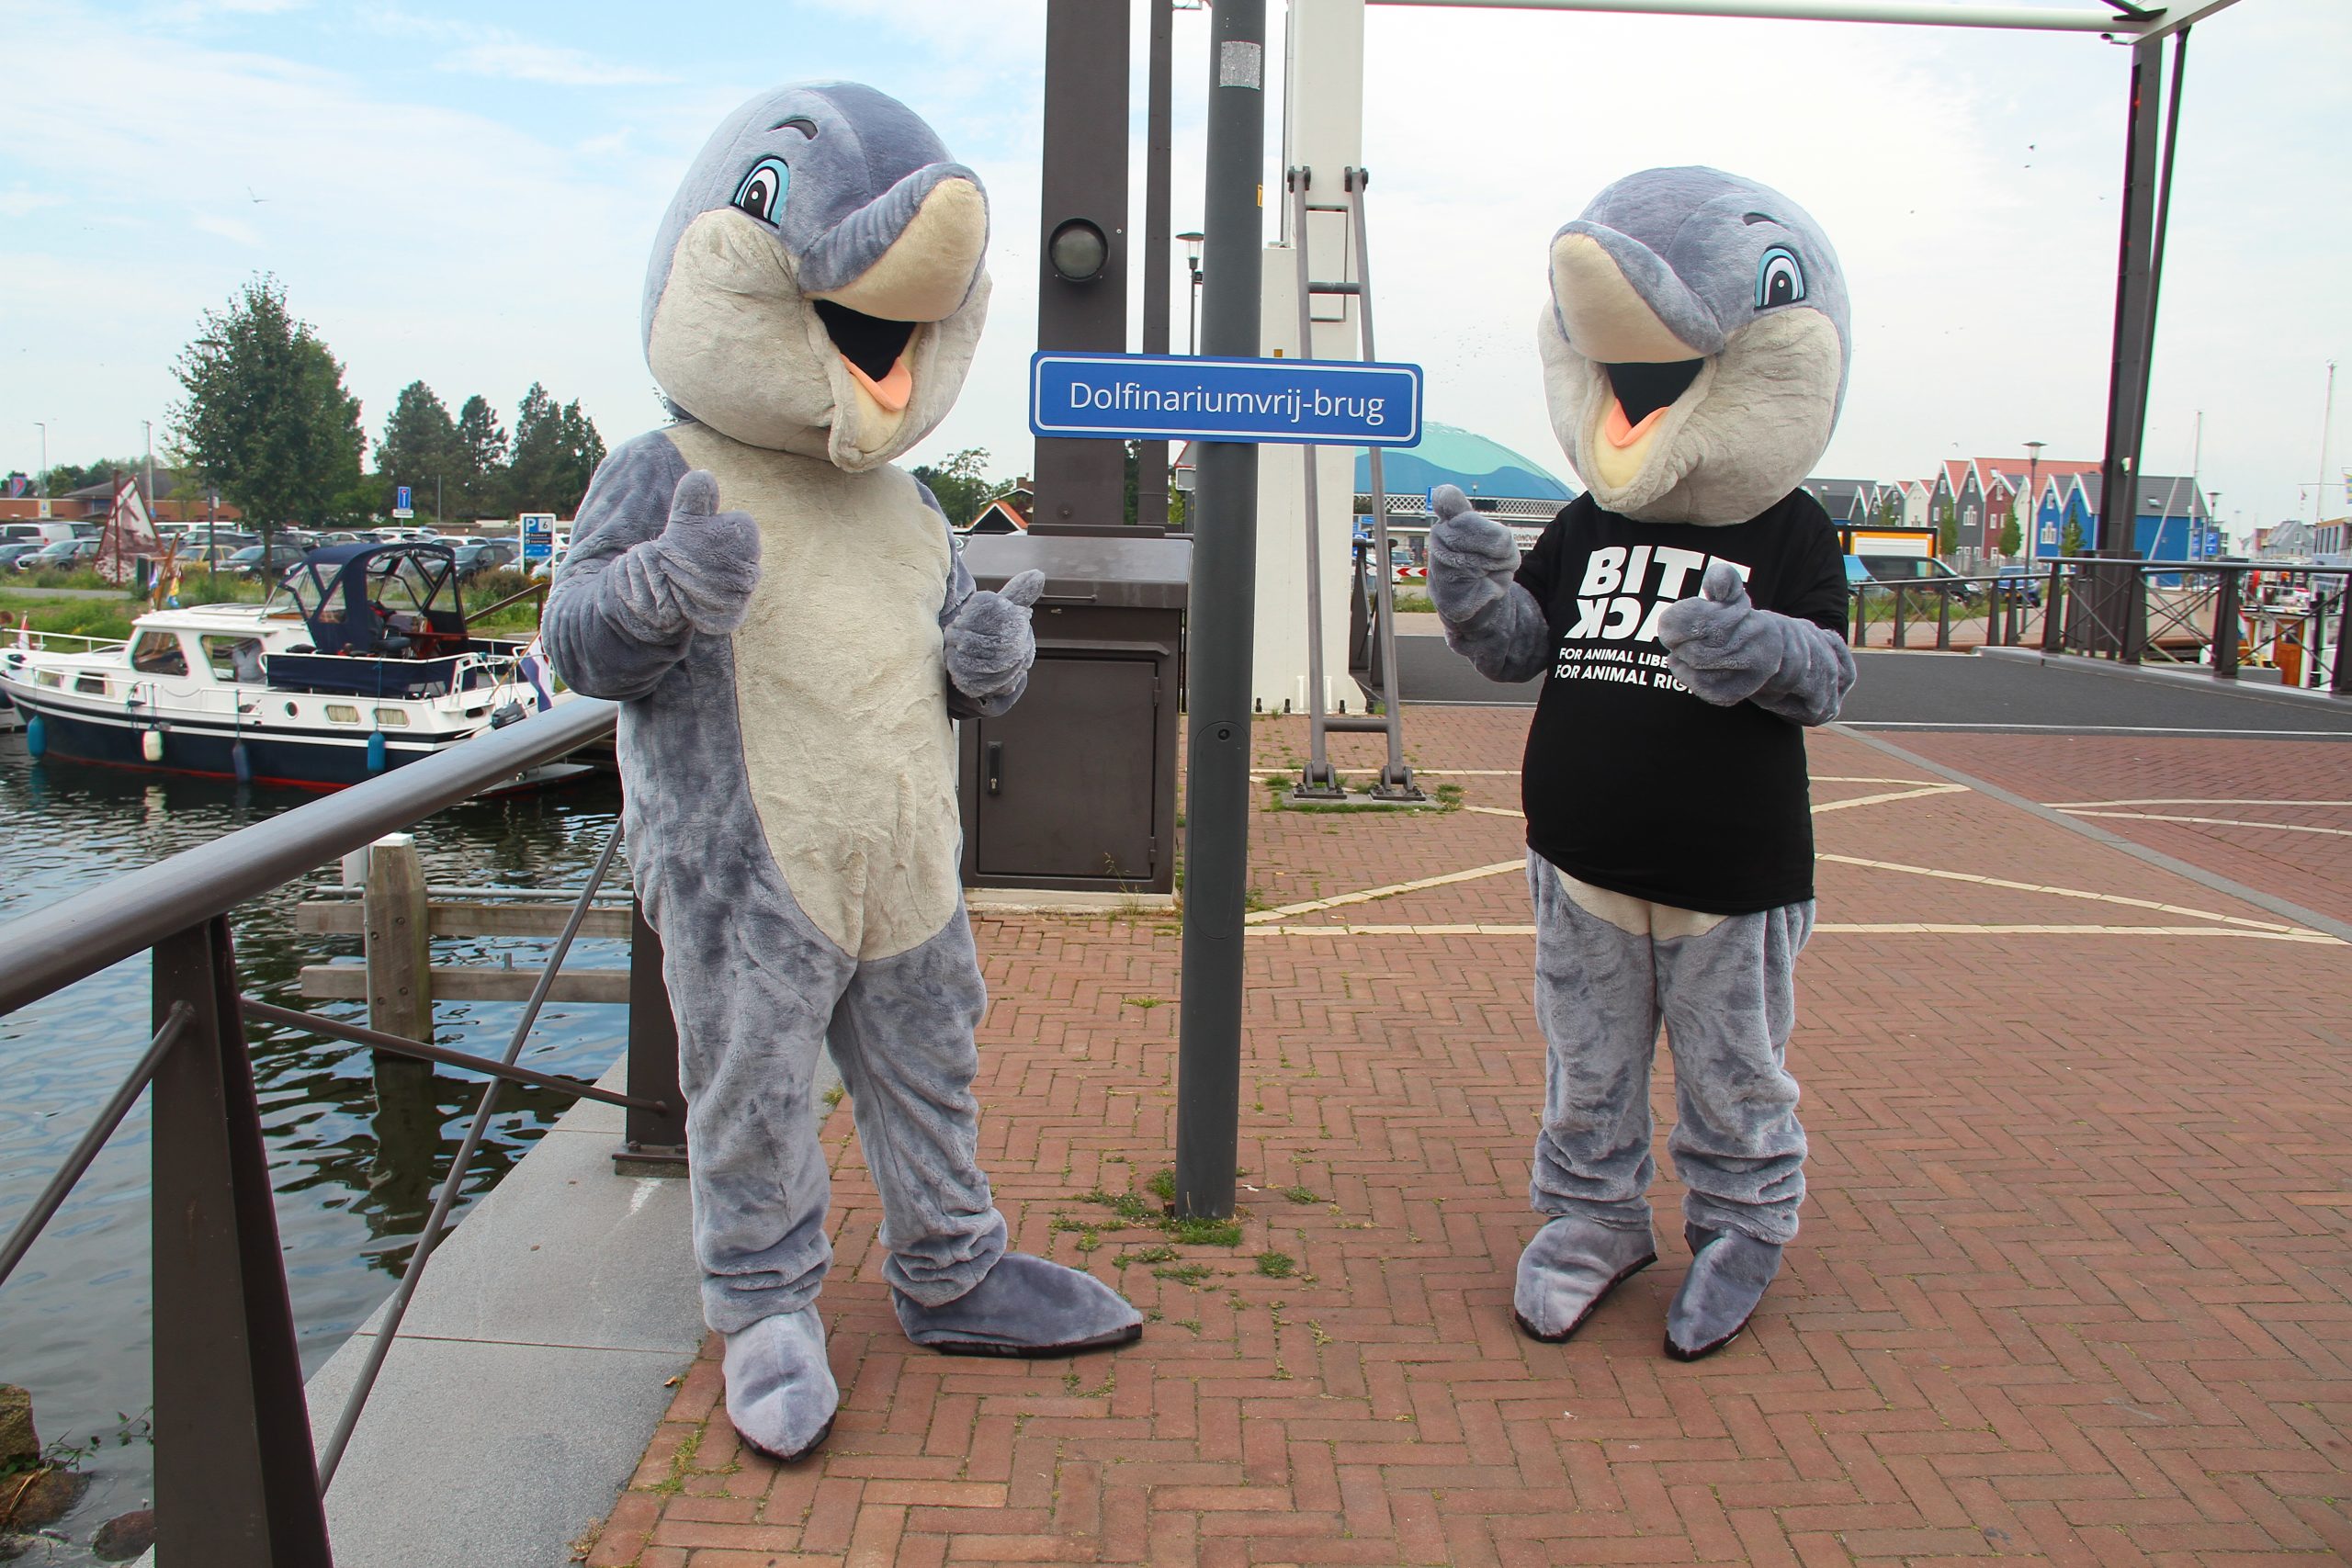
(2229, 617)
(2226, 615)
(236, 1483)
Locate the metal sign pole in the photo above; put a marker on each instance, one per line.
(1225, 570)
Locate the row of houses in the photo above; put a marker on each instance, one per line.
(2172, 517)
(94, 502)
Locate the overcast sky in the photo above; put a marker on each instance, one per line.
(469, 202)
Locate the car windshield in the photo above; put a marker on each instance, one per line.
(251, 552)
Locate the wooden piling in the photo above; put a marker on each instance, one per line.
(399, 956)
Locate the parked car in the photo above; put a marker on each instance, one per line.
(548, 566)
(2032, 582)
(1923, 570)
(11, 553)
(483, 555)
(63, 556)
(251, 562)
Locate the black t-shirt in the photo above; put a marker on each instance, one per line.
(1632, 782)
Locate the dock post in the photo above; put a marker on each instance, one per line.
(399, 1001)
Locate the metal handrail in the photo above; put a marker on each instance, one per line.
(57, 944)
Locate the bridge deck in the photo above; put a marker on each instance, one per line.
(2071, 1285)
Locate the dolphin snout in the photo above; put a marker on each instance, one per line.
(1620, 302)
(911, 254)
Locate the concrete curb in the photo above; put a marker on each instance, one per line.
(2196, 677)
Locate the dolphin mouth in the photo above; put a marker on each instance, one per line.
(874, 347)
(1644, 389)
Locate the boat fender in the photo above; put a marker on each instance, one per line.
(506, 712)
(241, 761)
(35, 736)
(375, 752)
(151, 743)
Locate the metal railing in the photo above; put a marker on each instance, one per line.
(2006, 603)
(236, 1484)
(2227, 614)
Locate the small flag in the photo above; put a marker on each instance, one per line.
(535, 671)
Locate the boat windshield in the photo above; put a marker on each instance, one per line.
(379, 599)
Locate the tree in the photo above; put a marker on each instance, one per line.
(2070, 540)
(478, 469)
(555, 454)
(1947, 529)
(1890, 509)
(266, 418)
(960, 485)
(2012, 538)
(420, 446)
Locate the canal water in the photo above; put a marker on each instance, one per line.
(354, 1180)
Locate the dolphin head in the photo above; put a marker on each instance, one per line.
(817, 283)
(1695, 346)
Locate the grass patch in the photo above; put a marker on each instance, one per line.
(1301, 1195)
(1277, 1265)
(1412, 604)
(1126, 1205)
(1150, 1255)
(1162, 1184)
(1183, 1274)
(1196, 1231)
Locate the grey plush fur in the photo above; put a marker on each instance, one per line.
(1729, 1274)
(1727, 1000)
(1727, 651)
(1673, 264)
(1025, 1306)
(780, 1392)
(1570, 1267)
(789, 572)
(1489, 619)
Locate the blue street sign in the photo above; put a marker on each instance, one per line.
(399, 498)
(1150, 397)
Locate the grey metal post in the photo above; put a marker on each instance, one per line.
(653, 1142)
(1225, 570)
(234, 1487)
(1083, 175)
(1151, 456)
(1396, 778)
(1319, 782)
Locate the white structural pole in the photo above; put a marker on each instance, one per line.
(1323, 131)
(1913, 13)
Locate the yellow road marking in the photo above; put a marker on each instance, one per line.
(2189, 800)
(1821, 805)
(2211, 821)
(1313, 905)
(2120, 898)
(1836, 928)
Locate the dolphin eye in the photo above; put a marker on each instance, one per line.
(763, 189)
(1779, 279)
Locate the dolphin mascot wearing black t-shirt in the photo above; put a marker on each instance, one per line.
(786, 622)
(1687, 614)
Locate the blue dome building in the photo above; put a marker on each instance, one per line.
(1502, 483)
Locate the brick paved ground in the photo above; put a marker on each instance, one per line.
(2071, 1285)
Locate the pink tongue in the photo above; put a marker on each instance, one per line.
(893, 390)
(1622, 434)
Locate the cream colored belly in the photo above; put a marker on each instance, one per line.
(841, 693)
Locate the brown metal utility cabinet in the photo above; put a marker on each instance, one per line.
(1076, 786)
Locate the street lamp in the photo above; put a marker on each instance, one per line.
(1193, 243)
(2034, 497)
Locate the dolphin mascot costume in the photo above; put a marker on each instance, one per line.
(1688, 616)
(789, 629)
